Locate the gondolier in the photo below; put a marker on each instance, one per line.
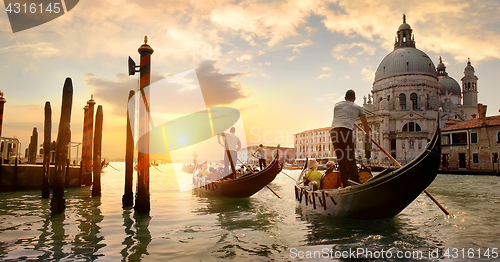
(233, 144)
(262, 156)
(345, 113)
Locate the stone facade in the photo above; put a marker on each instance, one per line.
(471, 146)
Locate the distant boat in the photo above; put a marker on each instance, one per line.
(243, 186)
(383, 196)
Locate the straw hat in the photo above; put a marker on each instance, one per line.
(313, 163)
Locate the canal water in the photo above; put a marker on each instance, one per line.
(184, 226)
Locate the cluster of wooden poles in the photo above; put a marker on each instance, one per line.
(61, 172)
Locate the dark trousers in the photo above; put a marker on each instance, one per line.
(262, 162)
(227, 166)
(343, 144)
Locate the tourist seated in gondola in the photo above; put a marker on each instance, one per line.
(331, 178)
(313, 174)
(204, 170)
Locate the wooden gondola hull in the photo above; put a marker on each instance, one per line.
(244, 186)
(382, 197)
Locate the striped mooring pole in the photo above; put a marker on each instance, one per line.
(2, 103)
(142, 201)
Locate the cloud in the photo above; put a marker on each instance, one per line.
(37, 50)
(322, 76)
(245, 57)
(290, 59)
(340, 51)
(271, 21)
(114, 92)
(267, 63)
(218, 88)
(347, 77)
(325, 68)
(297, 46)
(368, 74)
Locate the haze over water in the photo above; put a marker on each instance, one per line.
(184, 226)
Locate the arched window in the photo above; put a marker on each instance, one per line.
(414, 98)
(402, 101)
(412, 127)
(498, 137)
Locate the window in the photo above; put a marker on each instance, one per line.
(411, 127)
(459, 138)
(473, 138)
(445, 139)
(498, 137)
(494, 157)
(444, 160)
(402, 101)
(414, 98)
(475, 158)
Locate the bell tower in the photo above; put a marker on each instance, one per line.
(404, 36)
(469, 86)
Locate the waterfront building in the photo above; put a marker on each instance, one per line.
(403, 105)
(407, 92)
(472, 146)
(288, 153)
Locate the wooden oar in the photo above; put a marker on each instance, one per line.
(288, 176)
(252, 173)
(400, 166)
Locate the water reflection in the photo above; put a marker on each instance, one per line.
(395, 234)
(137, 233)
(248, 226)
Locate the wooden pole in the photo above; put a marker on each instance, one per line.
(57, 204)
(142, 203)
(33, 146)
(2, 104)
(87, 179)
(399, 165)
(46, 150)
(90, 136)
(96, 183)
(128, 195)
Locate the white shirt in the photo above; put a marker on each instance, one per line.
(345, 114)
(262, 152)
(232, 141)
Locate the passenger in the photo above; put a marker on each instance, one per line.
(331, 178)
(313, 174)
(204, 170)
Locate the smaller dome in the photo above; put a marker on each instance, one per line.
(450, 85)
(469, 69)
(404, 26)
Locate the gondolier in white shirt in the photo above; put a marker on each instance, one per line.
(233, 144)
(345, 114)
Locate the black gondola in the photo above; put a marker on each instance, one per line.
(243, 186)
(384, 196)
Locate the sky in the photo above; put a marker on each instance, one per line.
(282, 64)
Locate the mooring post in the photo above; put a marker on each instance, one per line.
(47, 129)
(33, 146)
(57, 204)
(89, 140)
(96, 183)
(128, 195)
(83, 165)
(142, 203)
(2, 104)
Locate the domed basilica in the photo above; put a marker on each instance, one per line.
(407, 92)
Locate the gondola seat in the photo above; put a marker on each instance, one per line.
(331, 180)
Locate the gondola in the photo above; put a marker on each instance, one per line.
(383, 196)
(243, 186)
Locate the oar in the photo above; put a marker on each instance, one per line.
(113, 167)
(399, 165)
(252, 173)
(288, 176)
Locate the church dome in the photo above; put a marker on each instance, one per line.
(451, 85)
(405, 61)
(404, 26)
(448, 84)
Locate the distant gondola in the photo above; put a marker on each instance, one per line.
(384, 196)
(243, 186)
